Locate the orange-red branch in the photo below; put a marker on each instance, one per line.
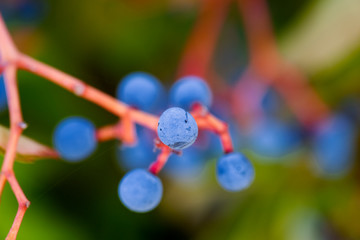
(205, 120)
(161, 160)
(109, 132)
(202, 41)
(24, 203)
(266, 62)
(85, 91)
(124, 130)
(16, 128)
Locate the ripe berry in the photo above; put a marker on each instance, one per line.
(74, 138)
(141, 90)
(189, 90)
(140, 155)
(334, 145)
(3, 99)
(187, 166)
(273, 138)
(234, 172)
(177, 128)
(140, 191)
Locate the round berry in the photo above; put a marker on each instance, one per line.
(334, 145)
(234, 172)
(177, 128)
(141, 90)
(186, 166)
(140, 155)
(140, 191)
(74, 138)
(189, 90)
(3, 99)
(273, 138)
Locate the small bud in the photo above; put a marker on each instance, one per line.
(23, 125)
(79, 89)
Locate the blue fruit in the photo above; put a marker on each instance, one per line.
(234, 172)
(189, 90)
(186, 166)
(177, 128)
(140, 191)
(334, 145)
(3, 99)
(74, 138)
(273, 138)
(141, 90)
(271, 102)
(140, 155)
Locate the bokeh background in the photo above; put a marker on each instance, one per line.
(100, 41)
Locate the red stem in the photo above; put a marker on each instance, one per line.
(266, 62)
(162, 158)
(201, 44)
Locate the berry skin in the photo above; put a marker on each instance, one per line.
(141, 90)
(74, 138)
(189, 90)
(334, 145)
(273, 138)
(177, 128)
(3, 100)
(140, 191)
(140, 155)
(234, 172)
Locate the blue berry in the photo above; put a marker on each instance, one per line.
(234, 172)
(189, 90)
(140, 155)
(273, 138)
(74, 138)
(334, 145)
(271, 102)
(141, 90)
(187, 166)
(3, 100)
(140, 191)
(177, 128)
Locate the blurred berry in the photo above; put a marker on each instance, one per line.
(187, 166)
(3, 99)
(141, 90)
(140, 191)
(140, 155)
(334, 145)
(234, 172)
(189, 90)
(274, 138)
(74, 138)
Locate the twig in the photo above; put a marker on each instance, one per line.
(266, 62)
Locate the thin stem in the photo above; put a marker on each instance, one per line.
(161, 160)
(201, 44)
(207, 121)
(85, 91)
(266, 62)
(23, 205)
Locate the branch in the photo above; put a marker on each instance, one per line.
(85, 91)
(201, 44)
(161, 159)
(266, 62)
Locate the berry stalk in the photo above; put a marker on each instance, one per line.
(266, 62)
(201, 44)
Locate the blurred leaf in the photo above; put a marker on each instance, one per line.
(28, 150)
(328, 31)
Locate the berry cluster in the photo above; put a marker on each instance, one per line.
(141, 190)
